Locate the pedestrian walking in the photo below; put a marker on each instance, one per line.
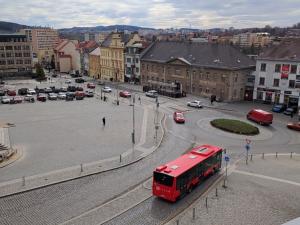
(103, 121)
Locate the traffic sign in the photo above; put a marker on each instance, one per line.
(226, 158)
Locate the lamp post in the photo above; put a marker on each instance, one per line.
(133, 124)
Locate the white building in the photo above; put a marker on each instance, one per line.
(277, 76)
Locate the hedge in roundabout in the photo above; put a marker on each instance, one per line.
(235, 126)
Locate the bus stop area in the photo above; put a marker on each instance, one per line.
(264, 192)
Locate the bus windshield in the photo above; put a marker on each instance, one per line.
(163, 179)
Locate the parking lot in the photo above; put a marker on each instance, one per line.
(58, 134)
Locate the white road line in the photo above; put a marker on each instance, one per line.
(266, 177)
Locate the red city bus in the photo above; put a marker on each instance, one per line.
(176, 178)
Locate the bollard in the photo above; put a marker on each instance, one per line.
(177, 222)
(194, 213)
(291, 154)
(23, 181)
(276, 154)
(81, 168)
(206, 203)
(251, 157)
(216, 192)
(120, 158)
(263, 155)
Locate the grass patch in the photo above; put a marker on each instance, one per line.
(235, 126)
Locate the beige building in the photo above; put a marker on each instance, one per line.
(67, 56)
(15, 55)
(248, 39)
(43, 41)
(203, 69)
(94, 64)
(112, 55)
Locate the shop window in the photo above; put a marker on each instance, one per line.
(291, 84)
(293, 69)
(259, 95)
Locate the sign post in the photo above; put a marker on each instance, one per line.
(247, 147)
(227, 159)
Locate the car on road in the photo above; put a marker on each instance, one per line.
(68, 81)
(106, 89)
(5, 100)
(47, 90)
(289, 111)
(89, 94)
(41, 97)
(125, 94)
(101, 82)
(17, 99)
(260, 116)
(152, 94)
(195, 104)
(178, 117)
(79, 80)
(61, 95)
(91, 85)
(79, 95)
(63, 89)
(31, 91)
(70, 96)
(294, 126)
(278, 108)
(11, 92)
(52, 96)
(29, 98)
(23, 91)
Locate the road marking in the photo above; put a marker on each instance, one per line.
(266, 177)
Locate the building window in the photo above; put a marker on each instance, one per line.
(136, 60)
(236, 79)
(129, 60)
(297, 77)
(10, 62)
(234, 93)
(259, 95)
(291, 84)
(263, 67)
(261, 81)
(9, 48)
(2, 62)
(2, 55)
(137, 70)
(293, 69)
(276, 83)
(277, 68)
(177, 72)
(207, 90)
(8, 54)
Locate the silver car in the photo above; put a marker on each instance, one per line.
(152, 94)
(106, 89)
(195, 104)
(5, 100)
(61, 95)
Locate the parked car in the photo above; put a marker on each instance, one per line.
(68, 81)
(260, 116)
(178, 117)
(71, 89)
(79, 95)
(278, 108)
(79, 88)
(152, 94)
(11, 92)
(106, 89)
(40, 90)
(54, 75)
(63, 89)
(125, 94)
(91, 85)
(290, 111)
(70, 96)
(17, 99)
(5, 100)
(29, 98)
(41, 97)
(2, 92)
(47, 90)
(31, 91)
(195, 104)
(294, 126)
(52, 96)
(23, 91)
(61, 95)
(2, 82)
(79, 80)
(89, 94)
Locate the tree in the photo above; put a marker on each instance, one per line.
(40, 75)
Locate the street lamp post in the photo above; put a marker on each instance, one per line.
(133, 124)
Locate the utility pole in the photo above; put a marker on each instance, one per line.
(156, 119)
(133, 124)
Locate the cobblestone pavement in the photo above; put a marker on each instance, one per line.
(251, 199)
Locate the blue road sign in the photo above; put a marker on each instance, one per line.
(226, 158)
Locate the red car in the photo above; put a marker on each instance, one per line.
(125, 94)
(260, 116)
(294, 126)
(17, 99)
(11, 92)
(178, 117)
(79, 95)
(41, 98)
(91, 85)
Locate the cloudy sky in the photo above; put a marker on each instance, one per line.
(152, 13)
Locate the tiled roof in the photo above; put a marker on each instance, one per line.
(124, 37)
(288, 49)
(87, 44)
(96, 52)
(210, 55)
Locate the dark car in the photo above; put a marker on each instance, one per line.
(278, 108)
(22, 91)
(47, 90)
(70, 96)
(79, 89)
(41, 97)
(71, 89)
(290, 111)
(11, 92)
(54, 75)
(79, 80)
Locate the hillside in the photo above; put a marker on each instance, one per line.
(8, 27)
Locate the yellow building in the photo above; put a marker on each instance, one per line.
(94, 64)
(112, 55)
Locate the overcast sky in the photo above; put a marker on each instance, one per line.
(152, 13)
